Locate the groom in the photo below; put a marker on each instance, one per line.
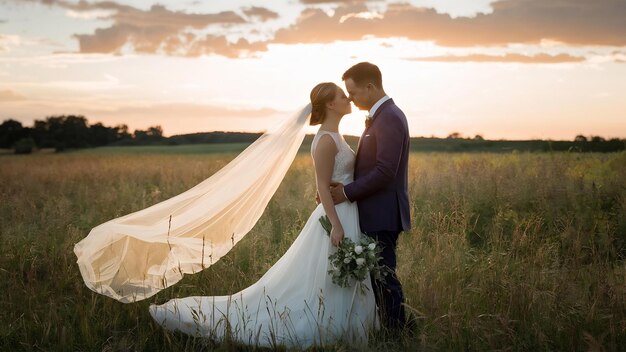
(380, 181)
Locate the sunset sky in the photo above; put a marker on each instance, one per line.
(508, 69)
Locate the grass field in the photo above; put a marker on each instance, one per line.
(212, 148)
(508, 251)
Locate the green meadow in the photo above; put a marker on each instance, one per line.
(508, 251)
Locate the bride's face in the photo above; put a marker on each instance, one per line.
(341, 103)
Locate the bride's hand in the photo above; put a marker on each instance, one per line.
(336, 235)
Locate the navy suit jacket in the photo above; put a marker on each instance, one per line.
(380, 185)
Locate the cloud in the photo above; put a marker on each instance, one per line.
(261, 13)
(158, 29)
(55, 60)
(507, 58)
(147, 31)
(88, 15)
(192, 46)
(530, 22)
(198, 110)
(573, 22)
(310, 2)
(315, 26)
(156, 16)
(10, 40)
(9, 95)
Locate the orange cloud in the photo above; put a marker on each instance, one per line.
(309, 2)
(161, 30)
(9, 95)
(575, 22)
(260, 12)
(571, 22)
(508, 58)
(217, 45)
(8, 40)
(149, 30)
(198, 110)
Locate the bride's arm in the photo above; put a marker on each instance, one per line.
(324, 161)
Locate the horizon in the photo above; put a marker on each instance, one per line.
(475, 69)
(588, 136)
(313, 132)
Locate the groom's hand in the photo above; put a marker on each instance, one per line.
(336, 190)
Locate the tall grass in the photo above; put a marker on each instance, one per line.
(507, 251)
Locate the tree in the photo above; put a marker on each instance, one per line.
(152, 134)
(580, 138)
(155, 132)
(122, 132)
(101, 135)
(454, 135)
(478, 138)
(10, 132)
(62, 132)
(75, 131)
(597, 139)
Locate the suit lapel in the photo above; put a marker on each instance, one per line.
(358, 146)
(381, 108)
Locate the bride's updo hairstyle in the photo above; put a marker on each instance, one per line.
(320, 95)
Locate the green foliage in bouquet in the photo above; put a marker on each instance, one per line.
(354, 262)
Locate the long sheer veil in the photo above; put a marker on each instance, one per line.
(133, 257)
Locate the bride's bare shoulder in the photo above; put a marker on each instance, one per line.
(324, 145)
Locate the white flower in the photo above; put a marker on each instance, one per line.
(372, 246)
(358, 250)
(360, 261)
(347, 260)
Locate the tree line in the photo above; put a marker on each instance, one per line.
(72, 132)
(455, 142)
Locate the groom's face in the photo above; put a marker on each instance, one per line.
(359, 95)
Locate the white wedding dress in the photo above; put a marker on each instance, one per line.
(295, 303)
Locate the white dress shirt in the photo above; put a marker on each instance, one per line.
(375, 107)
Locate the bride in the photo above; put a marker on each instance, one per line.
(295, 303)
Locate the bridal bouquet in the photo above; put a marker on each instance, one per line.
(354, 260)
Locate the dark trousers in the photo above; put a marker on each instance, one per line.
(388, 291)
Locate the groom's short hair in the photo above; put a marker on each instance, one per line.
(364, 73)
